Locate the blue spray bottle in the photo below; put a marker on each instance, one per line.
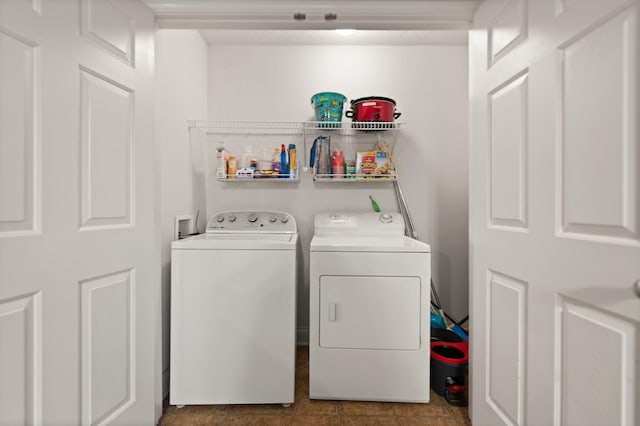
(284, 162)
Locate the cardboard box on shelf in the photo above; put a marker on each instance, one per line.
(374, 163)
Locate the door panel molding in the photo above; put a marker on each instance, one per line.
(21, 361)
(20, 188)
(108, 367)
(601, 348)
(506, 313)
(597, 195)
(568, 6)
(508, 154)
(109, 28)
(507, 30)
(107, 166)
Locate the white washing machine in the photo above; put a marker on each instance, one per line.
(369, 309)
(233, 311)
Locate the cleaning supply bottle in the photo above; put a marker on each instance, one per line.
(221, 162)
(293, 172)
(284, 161)
(232, 167)
(337, 164)
(264, 163)
(275, 161)
(245, 159)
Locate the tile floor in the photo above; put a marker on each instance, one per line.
(318, 412)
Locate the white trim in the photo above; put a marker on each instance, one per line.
(278, 14)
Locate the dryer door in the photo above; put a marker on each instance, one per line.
(370, 312)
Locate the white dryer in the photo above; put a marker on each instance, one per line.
(233, 308)
(369, 309)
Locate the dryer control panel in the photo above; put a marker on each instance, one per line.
(251, 221)
(359, 223)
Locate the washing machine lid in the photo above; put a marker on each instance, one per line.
(239, 241)
(356, 243)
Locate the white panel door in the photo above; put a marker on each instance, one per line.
(555, 212)
(78, 265)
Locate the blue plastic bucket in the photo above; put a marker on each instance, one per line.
(328, 106)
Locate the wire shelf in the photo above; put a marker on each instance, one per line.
(343, 178)
(352, 137)
(291, 127)
(249, 127)
(280, 178)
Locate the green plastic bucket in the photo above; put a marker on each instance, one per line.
(328, 106)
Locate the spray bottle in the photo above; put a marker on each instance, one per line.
(221, 162)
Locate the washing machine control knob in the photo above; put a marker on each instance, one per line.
(232, 218)
(272, 218)
(386, 218)
(220, 218)
(284, 219)
(252, 217)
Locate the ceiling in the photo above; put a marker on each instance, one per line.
(314, 15)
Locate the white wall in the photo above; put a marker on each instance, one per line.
(429, 84)
(181, 82)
